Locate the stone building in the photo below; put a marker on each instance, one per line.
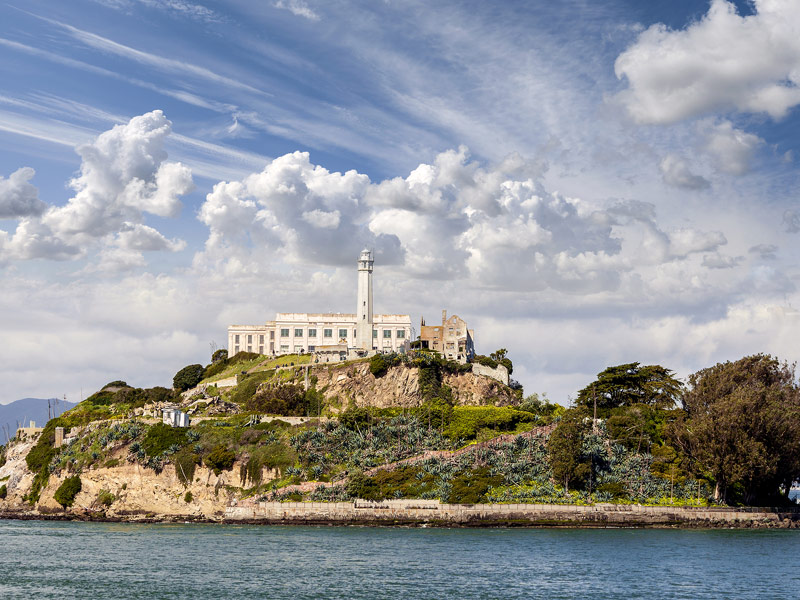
(452, 339)
(296, 333)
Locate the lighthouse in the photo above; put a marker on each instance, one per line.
(364, 311)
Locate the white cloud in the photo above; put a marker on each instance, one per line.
(731, 149)
(675, 171)
(124, 175)
(298, 8)
(18, 197)
(722, 62)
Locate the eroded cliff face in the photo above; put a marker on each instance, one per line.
(399, 387)
(138, 492)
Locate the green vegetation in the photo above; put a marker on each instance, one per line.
(629, 384)
(220, 459)
(105, 498)
(185, 461)
(219, 355)
(2, 455)
(741, 426)
(66, 492)
(188, 377)
(187, 497)
(161, 437)
(3, 491)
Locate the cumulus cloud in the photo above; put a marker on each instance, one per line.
(494, 227)
(124, 175)
(301, 211)
(675, 171)
(18, 197)
(722, 62)
(731, 149)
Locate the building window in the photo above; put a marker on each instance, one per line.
(249, 348)
(261, 339)
(261, 349)
(284, 348)
(249, 339)
(374, 334)
(272, 335)
(401, 333)
(387, 333)
(236, 338)
(327, 332)
(343, 333)
(236, 349)
(298, 333)
(285, 333)
(312, 333)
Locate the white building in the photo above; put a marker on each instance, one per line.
(297, 333)
(174, 417)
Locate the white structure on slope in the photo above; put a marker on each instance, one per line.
(328, 334)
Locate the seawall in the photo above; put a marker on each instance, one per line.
(427, 512)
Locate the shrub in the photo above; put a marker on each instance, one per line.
(220, 459)
(471, 487)
(105, 498)
(485, 361)
(187, 377)
(185, 462)
(219, 355)
(287, 399)
(378, 366)
(66, 492)
(116, 383)
(3, 492)
(160, 437)
(100, 398)
(2, 455)
(187, 497)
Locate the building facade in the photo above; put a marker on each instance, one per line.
(452, 339)
(300, 333)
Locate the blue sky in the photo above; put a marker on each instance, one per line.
(586, 183)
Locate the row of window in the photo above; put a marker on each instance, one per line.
(328, 333)
(312, 333)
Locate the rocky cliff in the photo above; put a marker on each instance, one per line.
(400, 387)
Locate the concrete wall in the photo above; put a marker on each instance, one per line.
(421, 511)
(500, 373)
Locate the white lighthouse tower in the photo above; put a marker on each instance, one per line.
(364, 311)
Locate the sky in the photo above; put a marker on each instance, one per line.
(585, 183)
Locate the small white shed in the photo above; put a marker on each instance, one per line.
(174, 417)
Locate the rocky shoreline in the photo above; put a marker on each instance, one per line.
(421, 513)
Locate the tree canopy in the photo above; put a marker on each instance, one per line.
(742, 427)
(629, 384)
(188, 377)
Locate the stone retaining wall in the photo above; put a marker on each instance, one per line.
(432, 512)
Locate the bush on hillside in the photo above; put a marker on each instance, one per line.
(3, 492)
(248, 386)
(161, 437)
(117, 383)
(185, 462)
(105, 498)
(219, 355)
(288, 399)
(188, 377)
(220, 459)
(66, 492)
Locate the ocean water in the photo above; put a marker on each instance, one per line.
(41, 560)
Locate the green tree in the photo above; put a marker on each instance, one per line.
(500, 357)
(565, 448)
(741, 426)
(629, 384)
(219, 355)
(187, 377)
